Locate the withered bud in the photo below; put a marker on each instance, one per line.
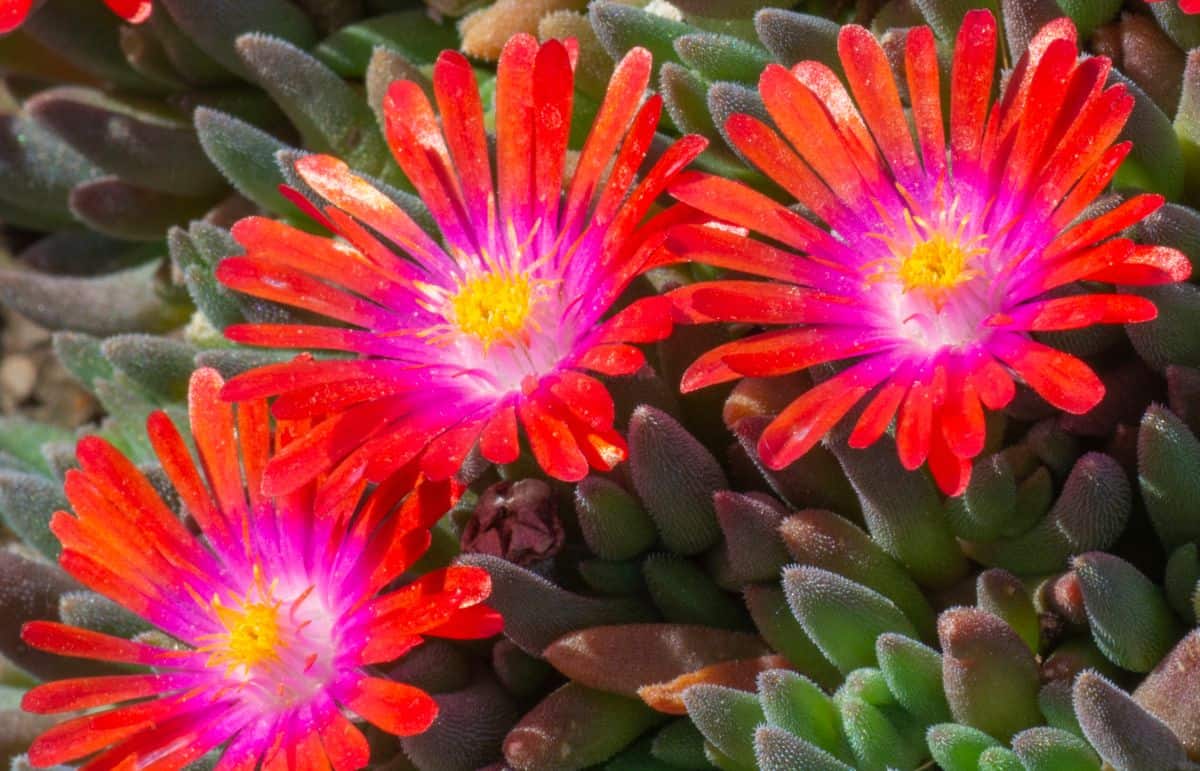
(516, 521)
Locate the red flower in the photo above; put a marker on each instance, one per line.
(277, 608)
(936, 254)
(14, 12)
(460, 341)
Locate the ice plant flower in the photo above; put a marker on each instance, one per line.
(278, 606)
(934, 259)
(14, 12)
(461, 340)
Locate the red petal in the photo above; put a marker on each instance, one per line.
(951, 472)
(552, 442)
(724, 248)
(67, 640)
(1108, 224)
(614, 359)
(272, 281)
(878, 413)
(734, 202)
(132, 11)
(586, 397)
(212, 429)
(915, 426)
(796, 349)
(764, 148)
(971, 75)
(417, 143)
(499, 442)
(13, 13)
(807, 419)
(961, 416)
(336, 183)
(88, 692)
(762, 302)
(629, 159)
(474, 623)
(444, 455)
(617, 112)
(553, 97)
(435, 594)
(1080, 311)
(514, 131)
(644, 321)
(180, 469)
(993, 383)
(1147, 265)
(458, 102)
(328, 443)
(1061, 379)
(921, 71)
(394, 707)
(345, 745)
(804, 118)
(874, 87)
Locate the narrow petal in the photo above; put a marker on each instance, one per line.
(612, 359)
(462, 119)
(474, 623)
(499, 442)
(806, 420)
(874, 88)
(552, 442)
(393, 707)
(921, 71)
(1059, 378)
(971, 75)
(514, 130)
(85, 644)
(87, 692)
(1077, 312)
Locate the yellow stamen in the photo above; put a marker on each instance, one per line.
(253, 633)
(935, 265)
(494, 307)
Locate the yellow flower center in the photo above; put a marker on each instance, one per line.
(494, 307)
(935, 265)
(253, 634)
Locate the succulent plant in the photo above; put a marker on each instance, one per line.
(679, 599)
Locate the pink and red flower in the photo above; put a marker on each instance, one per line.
(14, 12)
(937, 256)
(460, 341)
(277, 607)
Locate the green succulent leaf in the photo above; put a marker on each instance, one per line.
(727, 717)
(841, 616)
(414, 34)
(1129, 616)
(676, 477)
(1049, 749)
(27, 502)
(614, 524)
(331, 116)
(913, 672)
(958, 747)
(793, 703)
(779, 750)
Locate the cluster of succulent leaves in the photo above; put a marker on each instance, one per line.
(705, 612)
